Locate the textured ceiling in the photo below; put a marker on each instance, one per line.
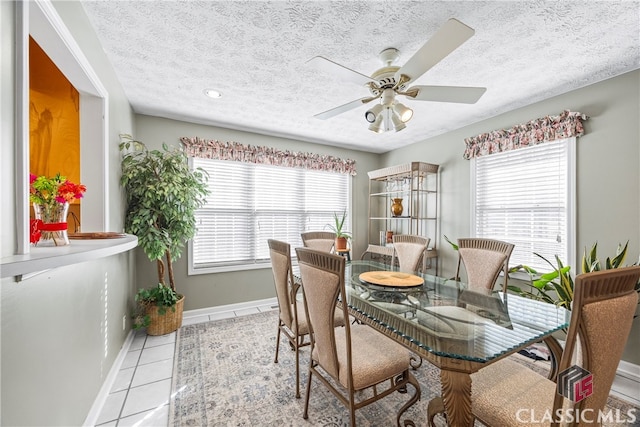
(166, 53)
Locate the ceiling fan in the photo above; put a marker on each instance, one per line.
(390, 81)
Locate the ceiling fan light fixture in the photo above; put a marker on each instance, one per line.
(398, 124)
(403, 112)
(376, 126)
(390, 81)
(372, 114)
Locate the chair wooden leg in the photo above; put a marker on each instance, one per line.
(277, 343)
(305, 414)
(297, 371)
(352, 409)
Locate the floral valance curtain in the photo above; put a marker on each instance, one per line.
(213, 149)
(545, 129)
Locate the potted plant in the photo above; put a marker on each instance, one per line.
(556, 287)
(162, 195)
(341, 235)
(152, 306)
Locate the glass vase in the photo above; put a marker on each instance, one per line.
(50, 224)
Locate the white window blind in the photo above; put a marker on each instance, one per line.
(250, 203)
(526, 197)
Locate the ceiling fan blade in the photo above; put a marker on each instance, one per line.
(343, 108)
(323, 64)
(447, 39)
(459, 94)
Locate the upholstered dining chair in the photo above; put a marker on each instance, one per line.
(409, 250)
(350, 359)
(292, 320)
(375, 252)
(483, 260)
(604, 301)
(320, 240)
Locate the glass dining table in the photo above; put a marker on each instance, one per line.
(446, 322)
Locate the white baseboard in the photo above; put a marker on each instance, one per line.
(101, 398)
(230, 307)
(626, 384)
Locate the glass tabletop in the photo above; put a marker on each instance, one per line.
(445, 317)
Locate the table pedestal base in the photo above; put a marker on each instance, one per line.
(456, 388)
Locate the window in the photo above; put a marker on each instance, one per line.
(527, 197)
(250, 203)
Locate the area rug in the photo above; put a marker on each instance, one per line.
(224, 375)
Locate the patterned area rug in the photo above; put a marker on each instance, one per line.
(224, 375)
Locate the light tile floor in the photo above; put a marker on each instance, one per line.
(141, 392)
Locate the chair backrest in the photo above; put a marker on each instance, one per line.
(280, 253)
(320, 240)
(483, 260)
(375, 251)
(601, 318)
(322, 282)
(410, 249)
(602, 314)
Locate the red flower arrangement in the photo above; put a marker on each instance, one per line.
(46, 191)
(50, 197)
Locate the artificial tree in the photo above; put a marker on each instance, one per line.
(162, 195)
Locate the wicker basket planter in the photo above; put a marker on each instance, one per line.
(171, 320)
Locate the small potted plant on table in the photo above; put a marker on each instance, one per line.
(162, 195)
(337, 227)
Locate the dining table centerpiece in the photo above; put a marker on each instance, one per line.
(50, 198)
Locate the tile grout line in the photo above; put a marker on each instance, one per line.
(135, 369)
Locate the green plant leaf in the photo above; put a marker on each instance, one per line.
(338, 224)
(621, 254)
(453, 245)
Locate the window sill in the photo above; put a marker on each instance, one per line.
(191, 271)
(41, 259)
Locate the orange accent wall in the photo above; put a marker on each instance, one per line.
(54, 120)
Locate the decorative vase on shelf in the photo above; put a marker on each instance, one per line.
(396, 207)
(50, 225)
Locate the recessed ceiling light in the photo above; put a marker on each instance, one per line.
(212, 93)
